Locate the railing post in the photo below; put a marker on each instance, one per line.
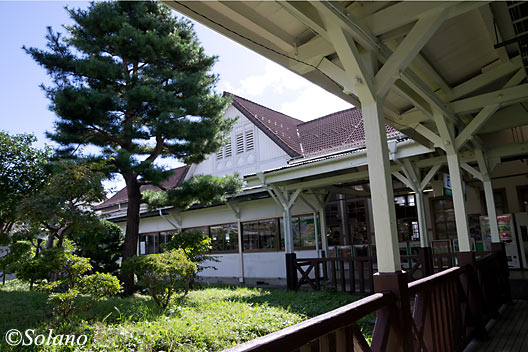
(425, 255)
(400, 319)
(504, 271)
(291, 271)
(473, 292)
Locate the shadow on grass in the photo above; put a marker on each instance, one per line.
(22, 310)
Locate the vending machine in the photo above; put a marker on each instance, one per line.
(506, 234)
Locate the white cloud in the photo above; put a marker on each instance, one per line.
(313, 102)
(289, 93)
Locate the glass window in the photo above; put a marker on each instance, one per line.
(148, 243)
(224, 237)
(307, 231)
(260, 234)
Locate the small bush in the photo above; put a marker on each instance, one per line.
(161, 273)
(62, 274)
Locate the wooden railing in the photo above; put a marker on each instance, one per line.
(353, 274)
(439, 313)
(349, 274)
(333, 331)
(448, 309)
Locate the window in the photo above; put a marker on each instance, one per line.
(262, 234)
(224, 237)
(239, 143)
(245, 142)
(164, 238)
(228, 150)
(148, 243)
(250, 145)
(443, 218)
(225, 151)
(407, 218)
(303, 230)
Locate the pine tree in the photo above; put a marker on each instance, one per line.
(133, 81)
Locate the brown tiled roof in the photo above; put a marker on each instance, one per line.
(338, 131)
(281, 128)
(177, 176)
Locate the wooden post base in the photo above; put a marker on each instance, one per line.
(399, 319)
(291, 271)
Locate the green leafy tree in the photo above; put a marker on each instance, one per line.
(22, 172)
(133, 81)
(161, 273)
(102, 242)
(65, 203)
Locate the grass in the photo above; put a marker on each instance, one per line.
(207, 319)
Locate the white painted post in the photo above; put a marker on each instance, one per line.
(344, 219)
(492, 213)
(488, 193)
(240, 251)
(380, 176)
(316, 233)
(422, 222)
(457, 188)
(322, 223)
(288, 233)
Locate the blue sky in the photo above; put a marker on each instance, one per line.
(24, 107)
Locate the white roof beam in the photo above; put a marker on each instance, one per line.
(486, 78)
(405, 12)
(268, 29)
(485, 114)
(413, 42)
(505, 97)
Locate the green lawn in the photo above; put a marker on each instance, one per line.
(208, 319)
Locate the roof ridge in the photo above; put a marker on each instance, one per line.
(330, 115)
(263, 106)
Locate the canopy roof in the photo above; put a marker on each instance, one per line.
(454, 60)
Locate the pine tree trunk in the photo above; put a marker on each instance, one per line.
(132, 229)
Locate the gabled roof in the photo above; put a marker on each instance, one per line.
(338, 131)
(281, 128)
(177, 176)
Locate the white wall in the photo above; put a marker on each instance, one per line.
(266, 155)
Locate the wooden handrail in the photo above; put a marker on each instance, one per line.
(297, 335)
(432, 280)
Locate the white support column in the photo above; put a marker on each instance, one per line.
(384, 214)
(240, 251)
(453, 163)
(488, 193)
(236, 210)
(288, 233)
(422, 222)
(344, 219)
(322, 230)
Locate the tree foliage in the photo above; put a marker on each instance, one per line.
(161, 273)
(65, 203)
(133, 81)
(202, 189)
(102, 242)
(22, 173)
(65, 276)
